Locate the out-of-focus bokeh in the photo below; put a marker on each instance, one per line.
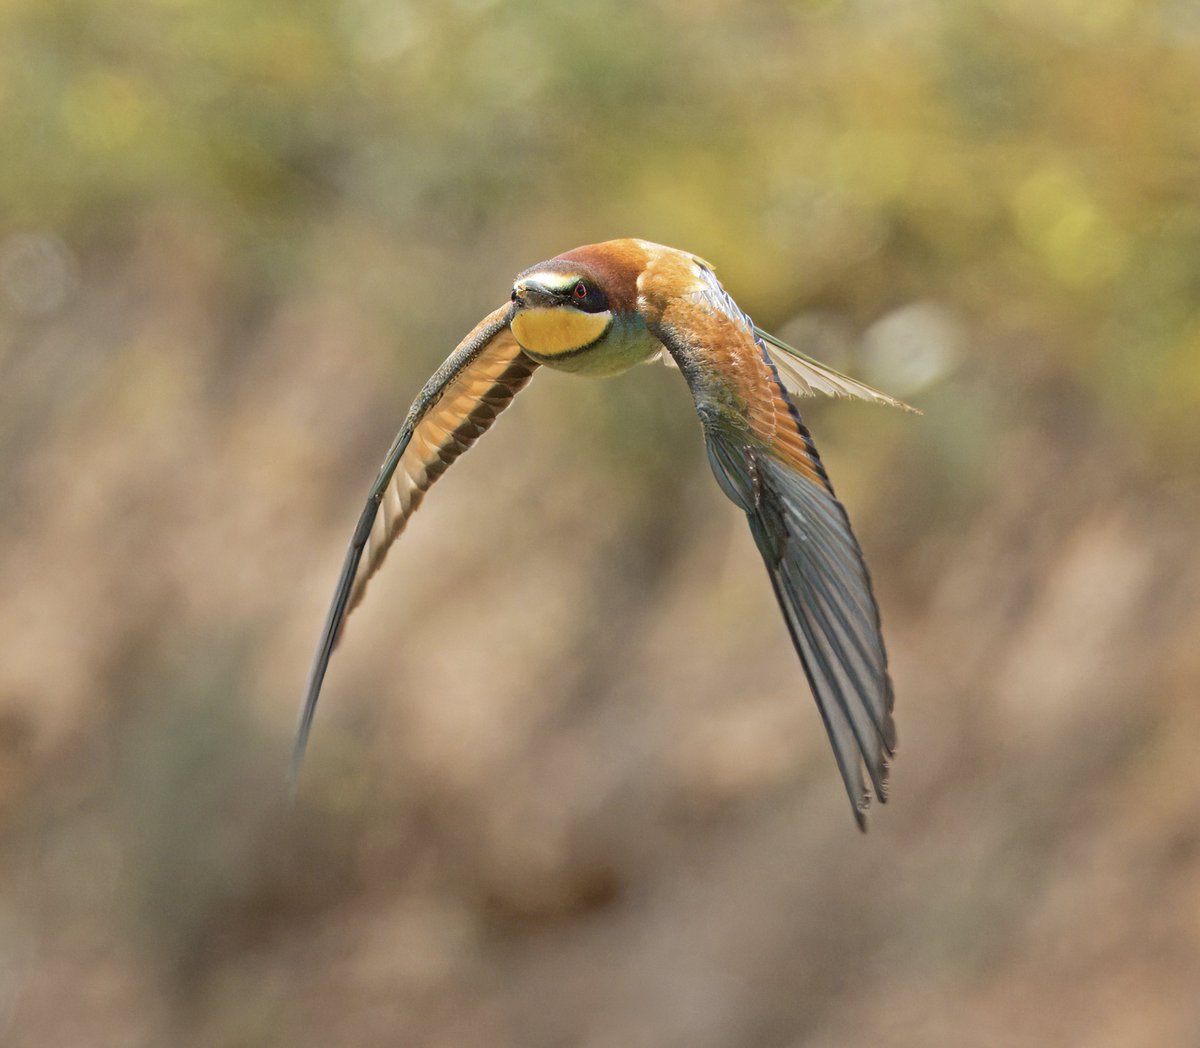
(567, 785)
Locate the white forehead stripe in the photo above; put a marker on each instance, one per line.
(549, 279)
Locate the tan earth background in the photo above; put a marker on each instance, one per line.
(567, 785)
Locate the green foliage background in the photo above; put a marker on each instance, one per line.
(568, 788)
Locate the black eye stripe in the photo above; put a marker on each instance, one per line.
(592, 301)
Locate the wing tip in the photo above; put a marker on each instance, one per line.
(304, 728)
(795, 360)
(863, 805)
(294, 765)
(883, 399)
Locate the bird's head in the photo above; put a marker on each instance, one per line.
(567, 304)
(559, 308)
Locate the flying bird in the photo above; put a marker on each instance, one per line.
(599, 310)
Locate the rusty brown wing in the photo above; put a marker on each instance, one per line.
(764, 459)
(459, 403)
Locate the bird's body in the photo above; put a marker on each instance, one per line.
(599, 310)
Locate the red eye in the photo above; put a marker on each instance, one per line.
(580, 291)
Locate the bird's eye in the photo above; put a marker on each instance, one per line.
(514, 294)
(581, 291)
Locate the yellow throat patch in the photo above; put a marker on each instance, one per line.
(554, 330)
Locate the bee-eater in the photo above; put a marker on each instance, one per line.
(599, 310)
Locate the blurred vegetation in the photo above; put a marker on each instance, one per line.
(565, 737)
(1043, 153)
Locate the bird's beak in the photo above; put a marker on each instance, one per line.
(529, 294)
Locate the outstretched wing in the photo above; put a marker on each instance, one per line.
(806, 376)
(821, 583)
(458, 404)
(802, 375)
(765, 461)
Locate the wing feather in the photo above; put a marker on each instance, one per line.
(803, 375)
(764, 459)
(447, 418)
(806, 376)
(456, 406)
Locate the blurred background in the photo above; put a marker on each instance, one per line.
(567, 785)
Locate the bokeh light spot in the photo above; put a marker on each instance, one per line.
(912, 347)
(37, 272)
